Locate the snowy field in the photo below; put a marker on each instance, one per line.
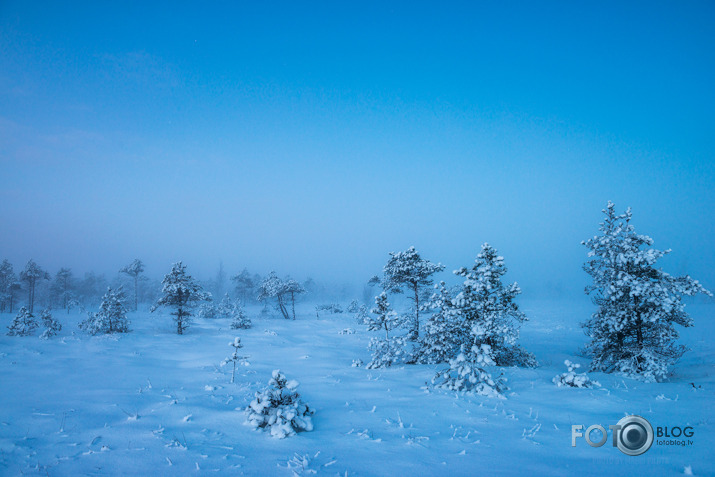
(152, 402)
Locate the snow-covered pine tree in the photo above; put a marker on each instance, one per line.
(134, 269)
(407, 271)
(24, 324)
(111, 317)
(235, 311)
(52, 326)
(444, 332)
(272, 287)
(390, 350)
(486, 307)
(224, 309)
(292, 288)
(180, 292)
(279, 408)
(633, 331)
(467, 373)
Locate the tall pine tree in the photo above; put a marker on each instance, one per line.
(633, 329)
(408, 272)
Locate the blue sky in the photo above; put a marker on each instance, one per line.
(313, 138)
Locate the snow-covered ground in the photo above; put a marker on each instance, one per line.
(152, 402)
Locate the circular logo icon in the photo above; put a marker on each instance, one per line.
(635, 436)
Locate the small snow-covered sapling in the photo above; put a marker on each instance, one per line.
(573, 379)
(279, 408)
(24, 324)
(234, 358)
(52, 326)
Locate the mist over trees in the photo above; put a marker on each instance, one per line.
(469, 325)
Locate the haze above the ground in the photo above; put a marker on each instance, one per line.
(313, 140)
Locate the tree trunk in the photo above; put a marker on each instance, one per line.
(32, 296)
(136, 287)
(292, 299)
(639, 332)
(282, 307)
(415, 331)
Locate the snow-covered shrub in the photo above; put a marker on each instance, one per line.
(52, 326)
(388, 350)
(207, 310)
(329, 308)
(235, 311)
(633, 331)
(24, 324)
(111, 317)
(362, 315)
(467, 373)
(240, 319)
(279, 408)
(353, 307)
(573, 379)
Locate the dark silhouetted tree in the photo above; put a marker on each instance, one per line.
(8, 286)
(62, 288)
(244, 284)
(30, 275)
